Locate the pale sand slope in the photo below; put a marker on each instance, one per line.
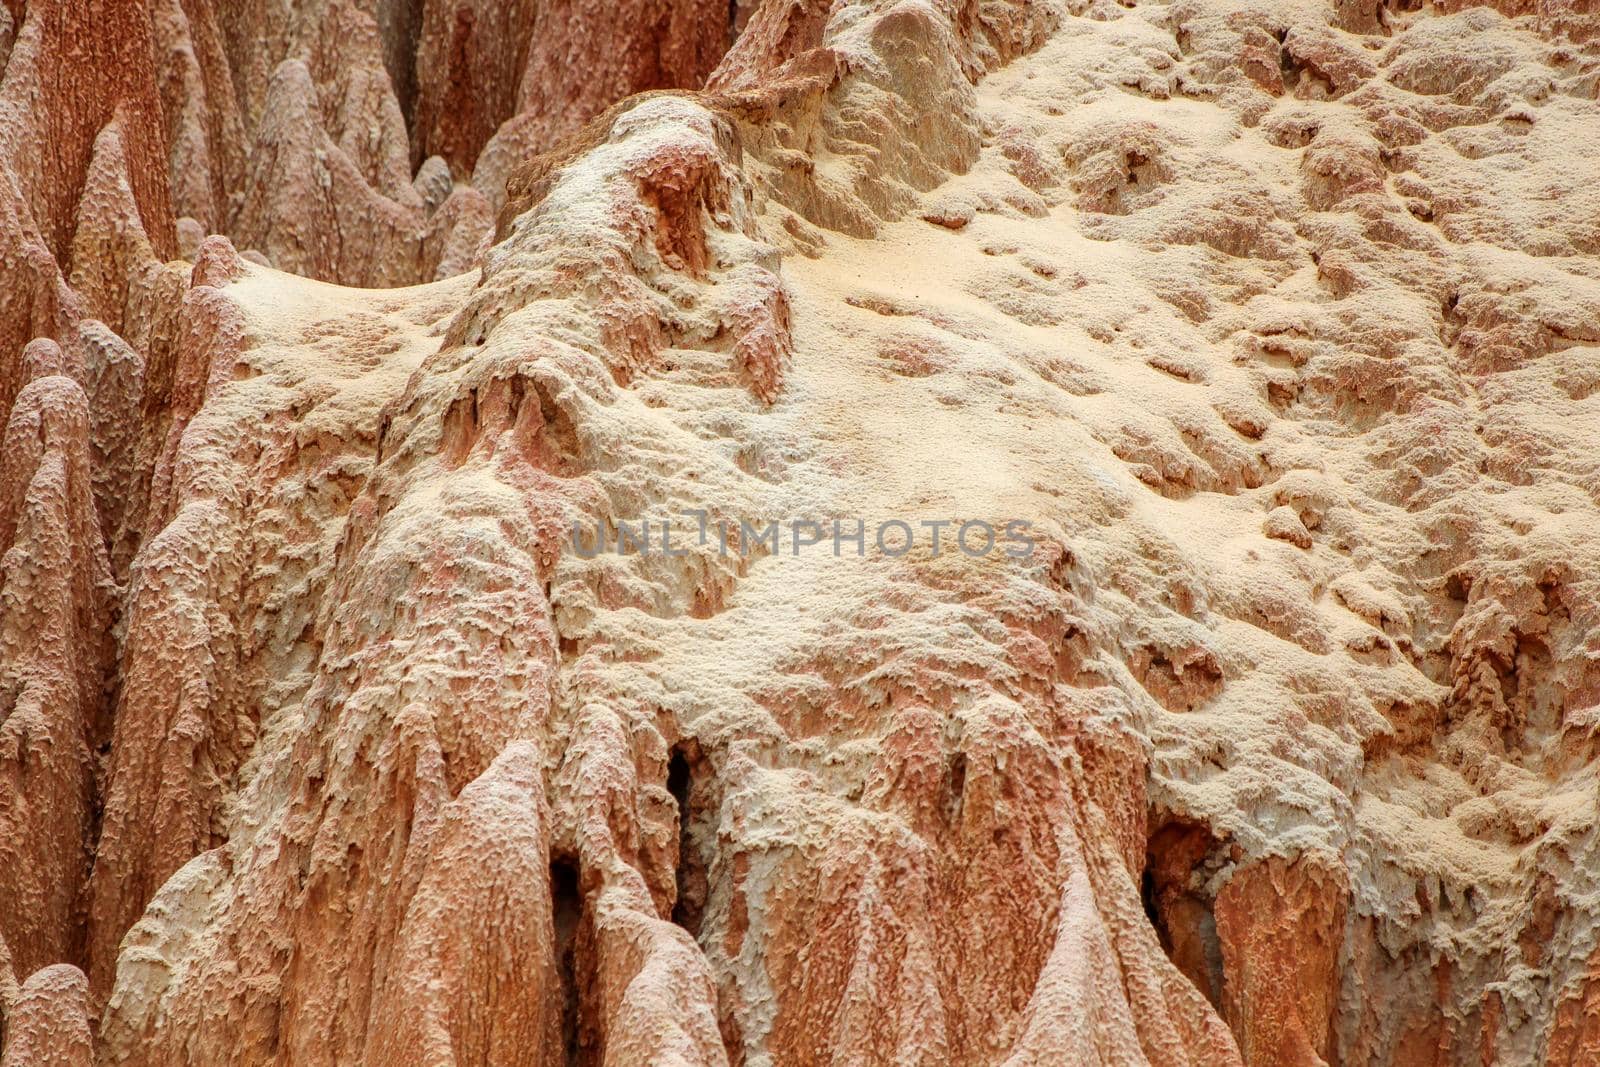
(1337, 535)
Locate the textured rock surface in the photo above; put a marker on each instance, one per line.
(323, 323)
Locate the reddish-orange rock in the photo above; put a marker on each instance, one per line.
(1255, 341)
(55, 654)
(1280, 925)
(48, 1021)
(1575, 1033)
(74, 67)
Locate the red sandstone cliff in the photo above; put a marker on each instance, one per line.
(322, 323)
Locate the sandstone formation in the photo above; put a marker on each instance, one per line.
(326, 739)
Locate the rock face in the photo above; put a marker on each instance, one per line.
(921, 532)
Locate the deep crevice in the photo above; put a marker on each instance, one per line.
(685, 777)
(566, 911)
(958, 787)
(1180, 857)
(400, 27)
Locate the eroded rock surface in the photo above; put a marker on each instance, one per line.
(322, 741)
